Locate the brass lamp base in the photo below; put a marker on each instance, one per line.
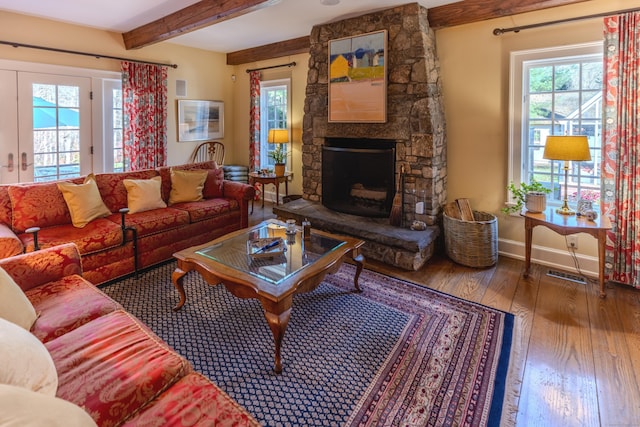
(565, 209)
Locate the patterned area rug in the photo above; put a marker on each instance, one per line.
(396, 354)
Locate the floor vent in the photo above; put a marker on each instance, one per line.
(566, 276)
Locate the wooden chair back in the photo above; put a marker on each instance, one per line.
(210, 150)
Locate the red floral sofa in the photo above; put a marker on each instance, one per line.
(108, 362)
(108, 251)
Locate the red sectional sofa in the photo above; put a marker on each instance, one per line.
(108, 362)
(107, 250)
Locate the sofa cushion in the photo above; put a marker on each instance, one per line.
(207, 208)
(112, 190)
(155, 221)
(38, 205)
(5, 205)
(213, 184)
(186, 185)
(83, 201)
(20, 407)
(10, 244)
(194, 400)
(66, 304)
(25, 361)
(144, 194)
(113, 366)
(14, 305)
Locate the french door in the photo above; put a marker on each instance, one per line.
(46, 133)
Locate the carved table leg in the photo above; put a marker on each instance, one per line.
(177, 277)
(359, 260)
(278, 324)
(528, 235)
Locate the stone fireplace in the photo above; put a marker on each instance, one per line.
(415, 126)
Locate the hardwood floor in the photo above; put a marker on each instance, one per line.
(575, 358)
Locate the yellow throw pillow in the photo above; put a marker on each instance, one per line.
(14, 304)
(84, 201)
(187, 185)
(144, 194)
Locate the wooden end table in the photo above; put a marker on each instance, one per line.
(565, 225)
(271, 178)
(272, 281)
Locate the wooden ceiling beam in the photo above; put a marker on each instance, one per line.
(269, 51)
(191, 18)
(468, 11)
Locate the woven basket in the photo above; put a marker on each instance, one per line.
(472, 243)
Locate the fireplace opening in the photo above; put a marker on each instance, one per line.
(358, 176)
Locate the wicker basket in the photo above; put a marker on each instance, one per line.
(472, 243)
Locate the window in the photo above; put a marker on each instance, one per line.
(560, 93)
(274, 113)
(114, 150)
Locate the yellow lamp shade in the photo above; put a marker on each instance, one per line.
(567, 148)
(278, 136)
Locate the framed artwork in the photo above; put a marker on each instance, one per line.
(358, 78)
(200, 120)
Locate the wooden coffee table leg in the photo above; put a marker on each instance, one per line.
(359, 260)
(177, 278)
(278, 324)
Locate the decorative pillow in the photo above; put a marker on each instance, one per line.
(213, 184)
(24, 361)
(84, 201)
(24, 408)
(186, 185)
(144, 194)
(37, 205)
(14, 305)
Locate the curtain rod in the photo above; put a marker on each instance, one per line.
(500, 31)
(290, 64)
(75, 52)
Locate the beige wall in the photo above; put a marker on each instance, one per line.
(206, 73)
(475, 76)
(298, 76)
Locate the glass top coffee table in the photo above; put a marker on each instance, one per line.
(248, 267)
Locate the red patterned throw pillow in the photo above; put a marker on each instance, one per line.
(213, 184)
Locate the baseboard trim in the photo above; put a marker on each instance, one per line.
(550, 257)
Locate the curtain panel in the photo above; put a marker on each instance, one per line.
(254, 121)
(620, 148)
(144, 108)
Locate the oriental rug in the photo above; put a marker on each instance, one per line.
(395, 354)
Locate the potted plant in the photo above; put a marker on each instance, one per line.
(532, 195)
(279, 156)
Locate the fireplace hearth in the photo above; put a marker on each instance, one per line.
(358, 176)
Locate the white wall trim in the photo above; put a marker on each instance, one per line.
(550, 257)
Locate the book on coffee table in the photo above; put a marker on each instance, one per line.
(265, 247)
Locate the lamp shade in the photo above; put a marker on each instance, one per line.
(278, 136)
(567, 148)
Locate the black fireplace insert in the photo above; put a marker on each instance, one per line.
(358, 176)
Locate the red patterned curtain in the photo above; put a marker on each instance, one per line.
(144, 105)
(254, 121)
(621, 146)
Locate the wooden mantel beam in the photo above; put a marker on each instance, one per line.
(269, 51)
(194, 17)
(468, 11)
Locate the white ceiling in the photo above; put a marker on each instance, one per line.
(282, 20)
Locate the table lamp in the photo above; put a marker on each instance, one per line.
(279, 156)
(567, 148)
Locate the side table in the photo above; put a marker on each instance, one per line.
(565, 225)
(256, 177)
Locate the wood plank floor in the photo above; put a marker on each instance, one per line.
(575, 358)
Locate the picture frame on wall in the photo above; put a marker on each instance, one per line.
(200, 120)
(358, 78)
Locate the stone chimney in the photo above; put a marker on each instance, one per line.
(415, 113)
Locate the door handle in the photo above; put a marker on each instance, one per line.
(9, 164)
(24, 164)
